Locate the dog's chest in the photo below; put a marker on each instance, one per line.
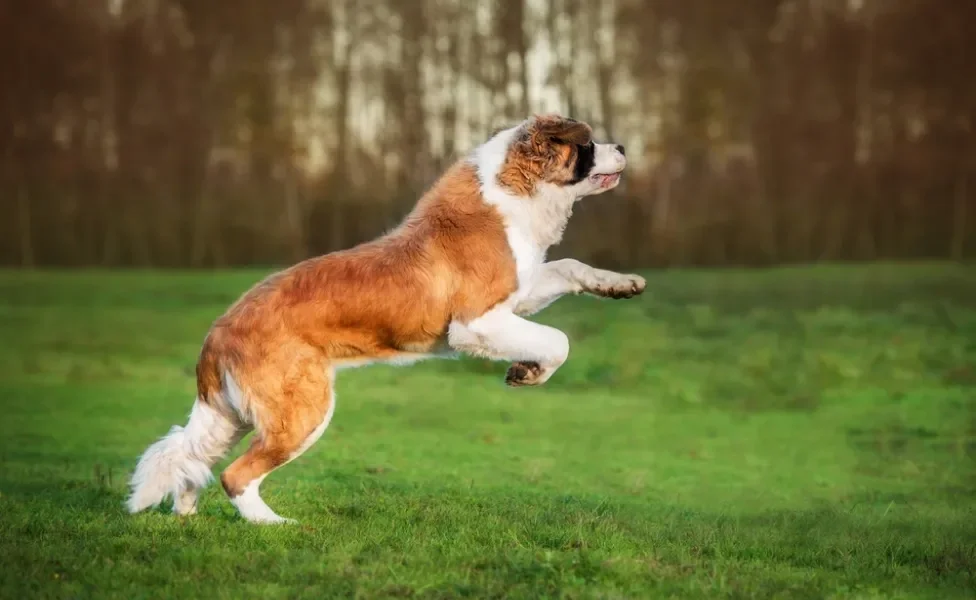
(532, 226)
(528, 255)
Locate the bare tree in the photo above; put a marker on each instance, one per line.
(175, 132)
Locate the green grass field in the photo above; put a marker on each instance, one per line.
(795, 433)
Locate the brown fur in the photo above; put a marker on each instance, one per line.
(394, 296)
(269, 362)
(544, 150)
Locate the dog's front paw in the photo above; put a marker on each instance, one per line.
(523, 373)
(619, 287)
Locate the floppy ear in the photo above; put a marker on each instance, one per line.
(554, 128)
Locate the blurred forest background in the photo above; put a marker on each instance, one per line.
(203, 133)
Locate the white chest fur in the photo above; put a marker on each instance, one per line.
(532, 224)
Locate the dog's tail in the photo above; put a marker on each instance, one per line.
(181, 460)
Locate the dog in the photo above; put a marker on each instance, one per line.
(460, 274)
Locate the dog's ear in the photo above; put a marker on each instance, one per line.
(546, 129)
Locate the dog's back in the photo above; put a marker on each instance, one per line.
(459, 274)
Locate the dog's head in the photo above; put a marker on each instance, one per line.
(558, 153)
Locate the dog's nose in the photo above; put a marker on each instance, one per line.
(620, 149)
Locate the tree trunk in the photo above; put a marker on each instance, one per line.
(957, 245)
(295, 218)
(24, 224)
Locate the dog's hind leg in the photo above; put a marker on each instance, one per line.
(285, 427)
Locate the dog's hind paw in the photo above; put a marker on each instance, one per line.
(524, 373)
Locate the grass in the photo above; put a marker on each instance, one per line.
(800, 433)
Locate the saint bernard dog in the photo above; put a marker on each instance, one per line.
(461, 274)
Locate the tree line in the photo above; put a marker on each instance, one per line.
(183, 133)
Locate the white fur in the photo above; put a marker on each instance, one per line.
(179, 464)
(607, 159)
(236, 399)
(501, 335)
(400, 360)
(555, 279)
(249, 503)
(532, 226)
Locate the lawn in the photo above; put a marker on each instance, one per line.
(796, 433)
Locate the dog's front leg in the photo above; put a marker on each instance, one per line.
(568, 276)
(535, 350)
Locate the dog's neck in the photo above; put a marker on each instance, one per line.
(539, 220)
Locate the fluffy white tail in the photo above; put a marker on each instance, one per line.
(179, 464)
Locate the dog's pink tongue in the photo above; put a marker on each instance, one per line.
(606, 180)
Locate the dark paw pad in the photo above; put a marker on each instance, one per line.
(523, 373)
(620, 292)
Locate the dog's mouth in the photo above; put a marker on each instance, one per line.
(605, 180)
